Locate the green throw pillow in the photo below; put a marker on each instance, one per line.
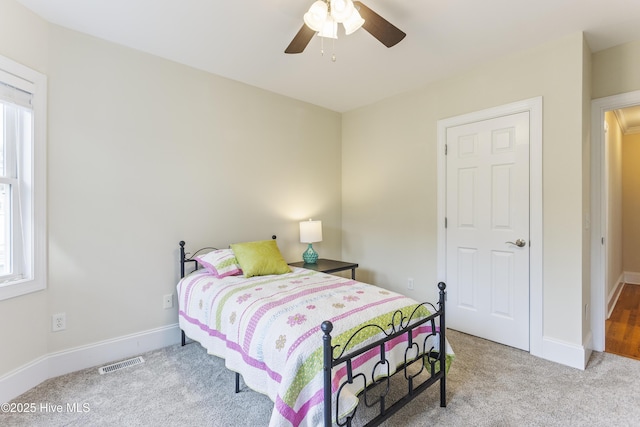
(260, 258)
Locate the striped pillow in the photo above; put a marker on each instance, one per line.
(220, 263)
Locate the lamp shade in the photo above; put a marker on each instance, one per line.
(341, 9)
(316, 15)
(353, 22)
(310, 231)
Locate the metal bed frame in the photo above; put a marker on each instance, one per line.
(418, 359)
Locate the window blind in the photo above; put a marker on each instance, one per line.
(15, 90)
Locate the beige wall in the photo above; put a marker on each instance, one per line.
(389, 183)
(615, 70)
(631, 203)
(144, 152)
(168, 153)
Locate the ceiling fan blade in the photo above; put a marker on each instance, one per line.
(387, 33)
(301, 40)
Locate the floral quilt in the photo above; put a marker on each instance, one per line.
(267, 328)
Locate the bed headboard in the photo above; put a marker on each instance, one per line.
(184, 259)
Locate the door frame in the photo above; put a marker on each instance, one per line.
(534, 107)
(599, 196)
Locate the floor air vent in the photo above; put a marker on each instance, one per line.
(120, 365)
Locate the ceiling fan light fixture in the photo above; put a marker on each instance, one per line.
(354, 22)
(329, 29)
(341, 10)
(317, 15)
(320, 20)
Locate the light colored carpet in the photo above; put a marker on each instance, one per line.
(488, 385)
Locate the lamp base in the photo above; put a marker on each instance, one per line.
(310, 256)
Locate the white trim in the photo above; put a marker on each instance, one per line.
(622, 121)
(14, 383)
(534, 107)
(631, 278)
(566, 353)
(22, 379)
(36, 241)
(612, 299)
(598, 210)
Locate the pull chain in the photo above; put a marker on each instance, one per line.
(333, 56)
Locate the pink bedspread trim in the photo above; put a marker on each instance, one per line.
(234, 346)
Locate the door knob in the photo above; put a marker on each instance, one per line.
(519, 243)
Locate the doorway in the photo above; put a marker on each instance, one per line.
(607, 272)
(533, 107)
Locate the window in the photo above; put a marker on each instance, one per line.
(22, 180)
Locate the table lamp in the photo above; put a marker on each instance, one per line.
(310, 232)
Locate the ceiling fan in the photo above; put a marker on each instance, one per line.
(320, 19)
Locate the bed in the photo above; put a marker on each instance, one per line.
(319, 345)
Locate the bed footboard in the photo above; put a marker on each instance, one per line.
(431, 359)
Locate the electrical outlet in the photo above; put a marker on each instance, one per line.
(410, 283)
(167, 301)
(58, 322)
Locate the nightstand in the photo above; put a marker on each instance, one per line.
(328, 266)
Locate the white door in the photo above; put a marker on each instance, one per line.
(487, 233)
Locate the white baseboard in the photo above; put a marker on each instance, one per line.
(22, 379)
(626, 277)
(14, 383)
(565, 353)
(631, 277)
(612, 298)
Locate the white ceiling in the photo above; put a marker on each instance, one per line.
(244, 40)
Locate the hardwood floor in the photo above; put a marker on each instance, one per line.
(622, 329)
